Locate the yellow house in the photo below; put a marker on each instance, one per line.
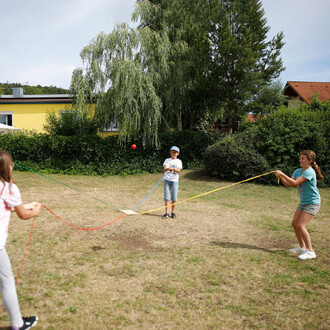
(29, 111)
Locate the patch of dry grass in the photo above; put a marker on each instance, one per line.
(222, 264)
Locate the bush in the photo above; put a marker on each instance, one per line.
(70, 123)
(94, 155)
(233, 158)
(280, 136)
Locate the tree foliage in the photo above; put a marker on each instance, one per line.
(185, 23)
(227, 62)
(7, 89)
(268, 98)
(242, 61)
(273, 142)
(121, 71)
(69, 123)
(281, 135)
(95, 155)
(234, 158)
(187, 60)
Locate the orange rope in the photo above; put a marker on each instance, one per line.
(73, 226)
(26, 251)
(69, 224)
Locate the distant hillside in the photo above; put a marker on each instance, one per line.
(7, 89)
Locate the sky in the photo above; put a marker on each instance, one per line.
(42, 39)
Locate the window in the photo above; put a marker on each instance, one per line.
(6, 118)
(113, 127)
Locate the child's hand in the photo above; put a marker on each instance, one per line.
(278, 173)
(28, 206)
(36, 208)
(31, 206)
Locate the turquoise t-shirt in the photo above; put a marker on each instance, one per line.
(308, 192)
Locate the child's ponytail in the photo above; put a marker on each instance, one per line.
(312, 156)
(317, 171)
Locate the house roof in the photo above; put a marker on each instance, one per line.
(306, 89)
(43, 96)
(36, 99)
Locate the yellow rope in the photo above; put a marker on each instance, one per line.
(209, 192)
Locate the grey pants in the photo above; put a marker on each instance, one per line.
(8, 289)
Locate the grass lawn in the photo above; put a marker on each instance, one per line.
(222, 264)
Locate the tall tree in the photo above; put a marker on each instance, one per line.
(242, 61)
(121, 71)
(186, 24)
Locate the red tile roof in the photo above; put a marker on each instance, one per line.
(306, 90)
(251, 117)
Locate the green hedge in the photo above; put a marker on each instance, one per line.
(273, 142)
(234, 158)
(284, 133)
(276, 140)
(94, 155)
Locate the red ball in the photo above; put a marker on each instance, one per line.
(133, 146)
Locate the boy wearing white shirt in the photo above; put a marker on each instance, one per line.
(172, 167)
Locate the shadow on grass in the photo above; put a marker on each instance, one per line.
(5, 328)
(154, 215)
(231, 245)
(200, 175)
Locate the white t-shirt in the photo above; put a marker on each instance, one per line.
(172, 163)
(9, 197)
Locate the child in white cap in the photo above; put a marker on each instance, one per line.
(172, 167)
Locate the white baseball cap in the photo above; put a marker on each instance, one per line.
(176, 149)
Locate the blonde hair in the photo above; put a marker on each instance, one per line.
(312, 156)
(6, 165)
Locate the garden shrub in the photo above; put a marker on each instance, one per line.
(94, 155)
(281, 135)
(70, 123)
(234, 158)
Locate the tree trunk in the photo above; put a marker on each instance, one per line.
(230, 124)
(166, 124)
(178, 121)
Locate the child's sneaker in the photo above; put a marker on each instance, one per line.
(297, 250)
(29, 322)
(307, 255)
(165, 216)
(173, 215)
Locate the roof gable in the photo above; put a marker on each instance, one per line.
(306, 89)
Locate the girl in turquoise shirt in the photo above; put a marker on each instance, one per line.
(310, 201)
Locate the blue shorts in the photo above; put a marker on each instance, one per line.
(171, 191)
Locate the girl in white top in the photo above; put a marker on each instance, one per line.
(10, 201)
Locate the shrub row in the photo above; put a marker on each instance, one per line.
(94, 155)
(270, 143)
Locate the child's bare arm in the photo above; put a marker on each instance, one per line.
(289, 182)
(27, 211)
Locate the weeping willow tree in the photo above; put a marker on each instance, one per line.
(121, 70)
